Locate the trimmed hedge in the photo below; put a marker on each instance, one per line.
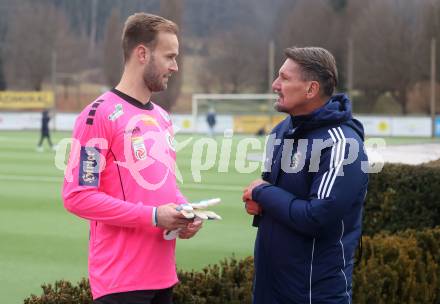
(402, 197)
(402, 268)
(63, 292)
(230, 282)
(434, 163)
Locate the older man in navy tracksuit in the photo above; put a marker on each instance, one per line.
(308, 206)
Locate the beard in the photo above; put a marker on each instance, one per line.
(279, 106)
(154, 81)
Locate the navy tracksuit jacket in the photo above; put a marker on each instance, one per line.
(312, 207)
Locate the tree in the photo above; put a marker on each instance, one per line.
(36, 32)
(236, 36)
(112, 57)
(2, 76)
(391, 50)
(305, 23)
(93, 26)
(432, 26)
(3, 29)
(236, 62)
(338, 5)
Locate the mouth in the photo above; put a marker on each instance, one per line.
(166, 78)
(280, 97)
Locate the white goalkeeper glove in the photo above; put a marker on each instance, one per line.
(192, 211)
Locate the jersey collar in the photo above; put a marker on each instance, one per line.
(133, 101)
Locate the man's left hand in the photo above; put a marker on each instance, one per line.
(252, 208)
(191, 230)
(247, 192)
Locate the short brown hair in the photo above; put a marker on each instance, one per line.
(316, 64)
(142, 28)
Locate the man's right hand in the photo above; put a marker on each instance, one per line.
(169, 218)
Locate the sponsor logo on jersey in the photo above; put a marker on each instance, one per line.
(149, 121)
(118, 112)
(139, 150)
(89, 167)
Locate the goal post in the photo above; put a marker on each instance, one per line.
(232, 105)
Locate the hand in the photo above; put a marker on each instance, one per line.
(191, 230)
(169, 218)
(247, 192)
(252, 207)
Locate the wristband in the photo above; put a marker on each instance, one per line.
(155, 216)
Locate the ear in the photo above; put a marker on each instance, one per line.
(313, 89)
(142, 53)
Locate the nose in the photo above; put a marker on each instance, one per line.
(174, 67)
(276, 85)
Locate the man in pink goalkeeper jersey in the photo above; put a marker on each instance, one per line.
(121, 173)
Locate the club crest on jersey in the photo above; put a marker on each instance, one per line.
(89, 167)
(118, 112)
(296, 158)
(139, 150)
(170, 141)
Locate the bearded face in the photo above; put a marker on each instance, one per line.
(162, 62)
(153, 79)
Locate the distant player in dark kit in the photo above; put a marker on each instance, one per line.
(210, 119)
(45, 118)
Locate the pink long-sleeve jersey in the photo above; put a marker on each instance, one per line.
(121, 167)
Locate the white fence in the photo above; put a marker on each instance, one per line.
(32, 121)
(396, 126)
(184, 123)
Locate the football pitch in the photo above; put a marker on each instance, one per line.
(41, 242)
